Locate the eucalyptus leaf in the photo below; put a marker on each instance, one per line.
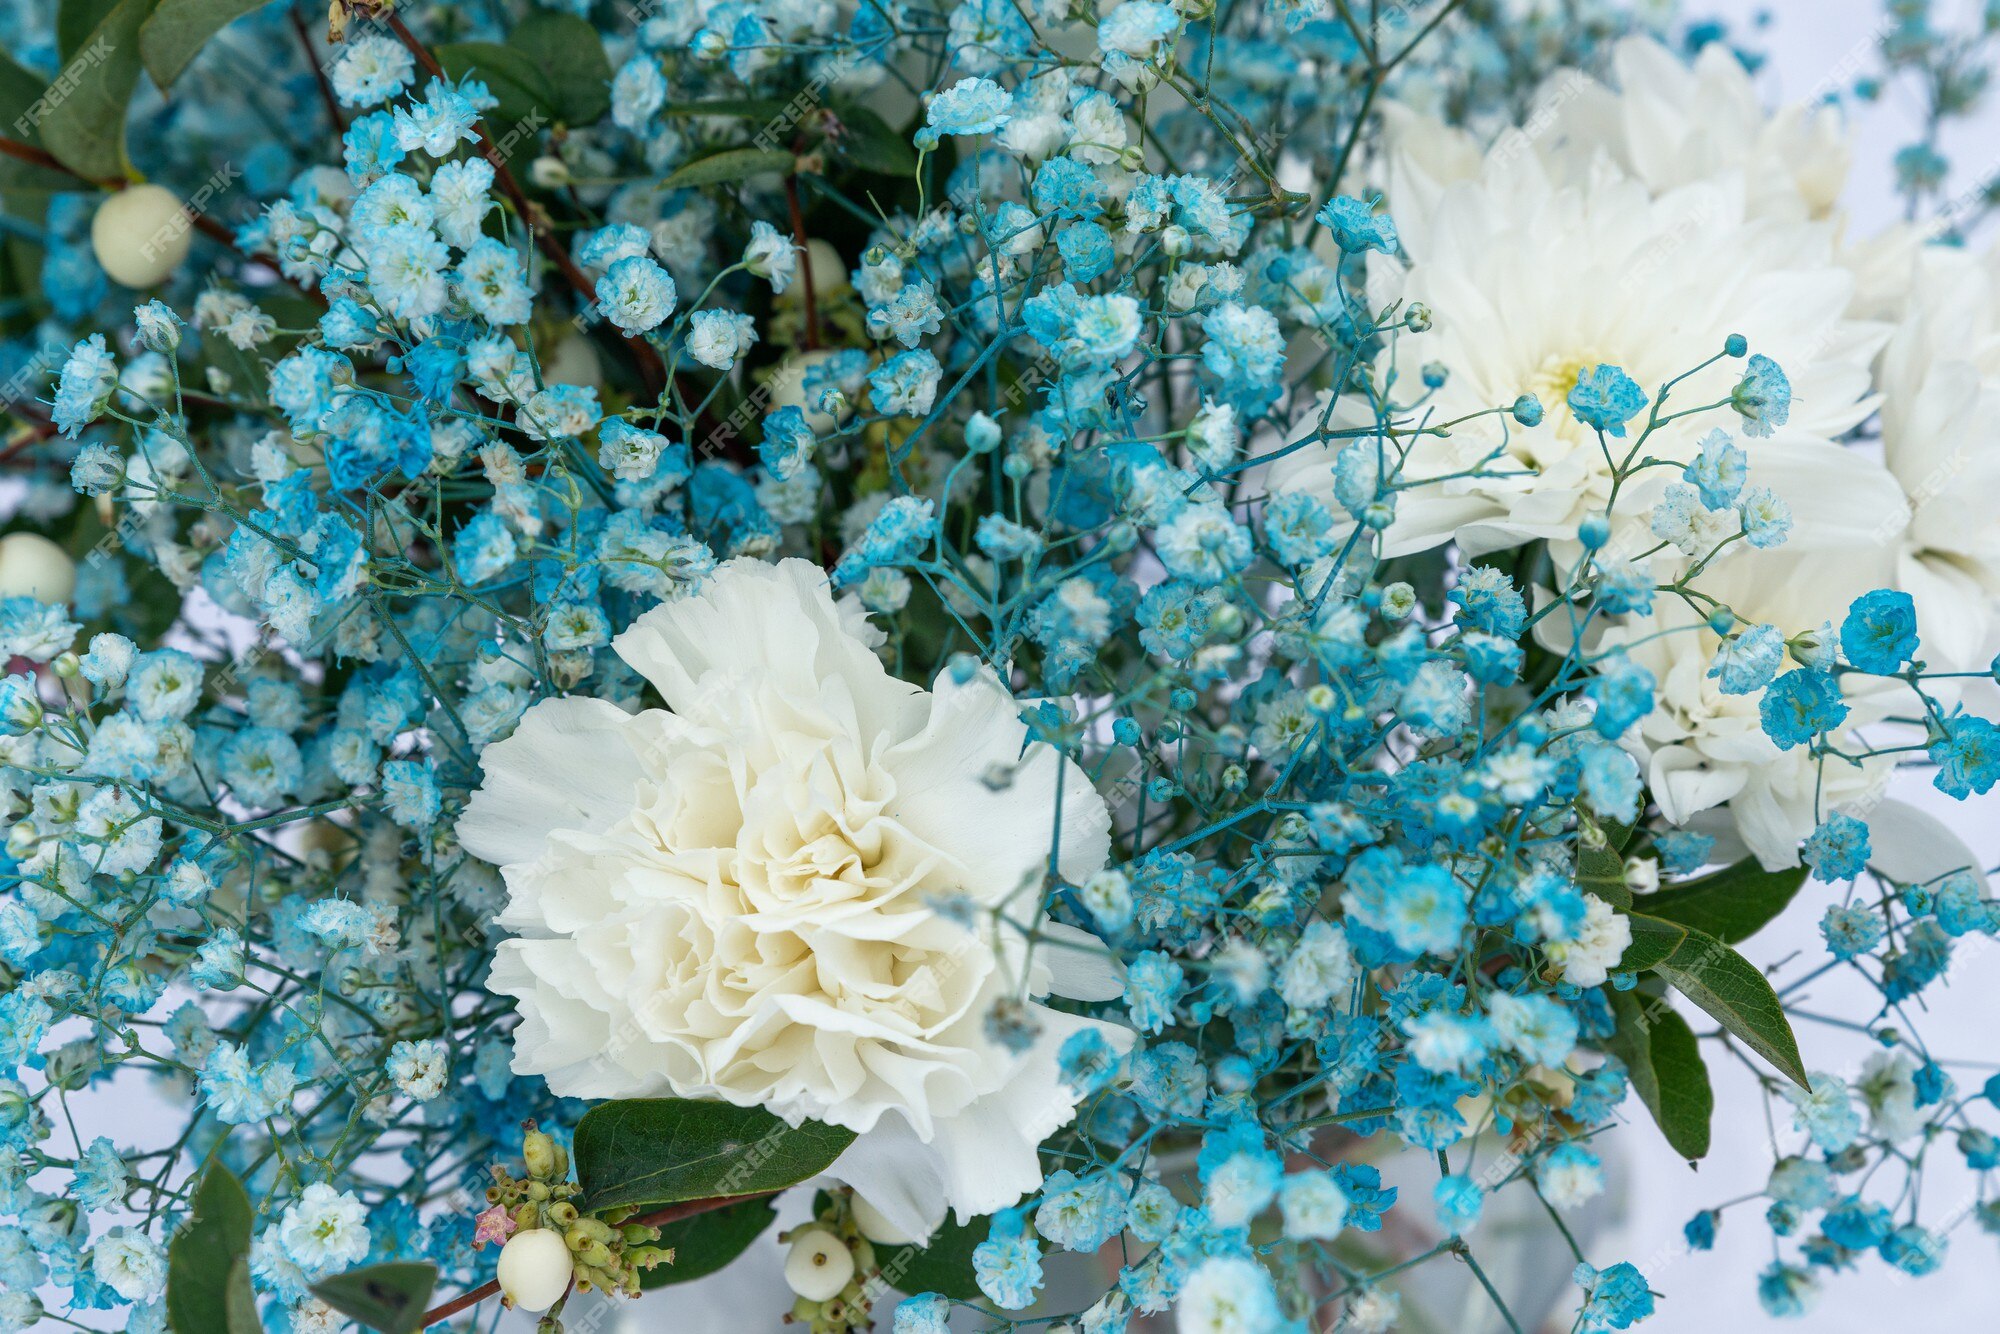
(733, 108)
(1732, 904)
(1663, 1059)
(732, 164)
(707, 1242)
(514, 80)
(75, 21)
(1738, 996)
(649, 1151)
(240, 1301)
(871, 144)
(178, 29)
(942, 1264)
(206, 1256)
(1653, 943)
(1600, 859)
(570, 55)
(20, 89)
(85, 128)
(387, 1297)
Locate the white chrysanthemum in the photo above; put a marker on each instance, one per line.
(1667, 122)
(1701, 748)
(1533, 282)
(1940, 383)
(738, 899)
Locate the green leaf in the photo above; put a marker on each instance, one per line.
(1732, 990)
(208, 1279)
(650, 1151)
(944, 1264)
(872, 145)
(85, 129)
(1732, 904)
(734, 108)
(1653, 942)
(514, 80)
(75, 21)
(240, 1301)
(20, 89)
(1600, 861)
(707, 1242)
(388, 1297)
(731, 164)
(570, 55)
(1664, 1061)
(179, 29)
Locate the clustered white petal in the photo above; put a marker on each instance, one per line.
(738, 897)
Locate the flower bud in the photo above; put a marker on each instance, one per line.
(538, 1150)
(1398, 601)
(32, 566)
(534, 1269)
(140, 235)
(819, 1264)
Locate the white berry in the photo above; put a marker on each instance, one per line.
(535, 1269)
(32, 566)
(141, 234)
(819, 1264)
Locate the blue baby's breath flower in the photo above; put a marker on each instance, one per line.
(1763, 396)
(1838, 849)
(970, 106)
(1749, 661)
(1357, 227)
(1607, 398)
(1879, 634)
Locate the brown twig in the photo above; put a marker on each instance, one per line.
(43, 158)
(805, 260)
(465, 1301)
(326, 92)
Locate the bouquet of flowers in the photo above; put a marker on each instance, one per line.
(1037, 634)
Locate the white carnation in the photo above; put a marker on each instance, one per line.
(735, 899)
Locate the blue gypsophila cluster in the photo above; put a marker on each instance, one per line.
(1276, 413)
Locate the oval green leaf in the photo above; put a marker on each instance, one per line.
(1653, 942)
(178, 29)
(388, 1297)
(1738, 996)
(84, 128)
(707, 1242)
(943, 1264)
(1663, 1059)
(570, 55)
(1732, 904)
(208, 1281)
(732, 164)
(652, 1151)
